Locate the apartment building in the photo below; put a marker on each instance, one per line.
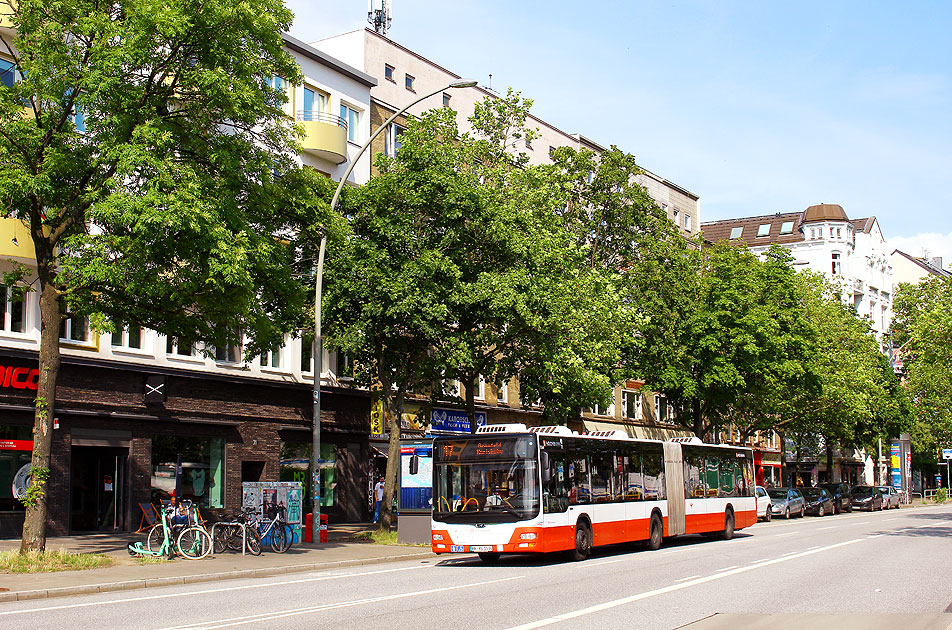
(402, 76)
(129, 403)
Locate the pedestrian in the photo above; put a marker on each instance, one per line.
(378, 499)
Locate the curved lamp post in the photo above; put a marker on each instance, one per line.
(317, 350)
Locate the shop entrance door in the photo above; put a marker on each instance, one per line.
(97, 488)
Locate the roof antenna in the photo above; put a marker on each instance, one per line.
(379, 14)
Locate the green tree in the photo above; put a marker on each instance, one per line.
(736, 330)
(922, 329)
(146, 152)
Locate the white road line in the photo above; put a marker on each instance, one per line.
(761, 560)
(789, 553)
(674, 587)
(813, 547)
(281, 614)
(677, 550)
(933, 524)
(886, 520)
(820, 529)
(690, 577)
(207, 590)
(787, 534)
(860, 522)
(598, 564)
(733, 566)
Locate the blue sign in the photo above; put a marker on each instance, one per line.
(947, 453)
(454, 420)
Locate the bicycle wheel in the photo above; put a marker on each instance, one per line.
(153, 540)
(279, 538)
(223, 535)
(254, 542)
(194, 543)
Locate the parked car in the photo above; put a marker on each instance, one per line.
(842, 501)
(867, 498)
(786, 502)
(763, 504)
(891, 497)
(818, 501)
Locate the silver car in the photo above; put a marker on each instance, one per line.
(786, 502)
(891, 497)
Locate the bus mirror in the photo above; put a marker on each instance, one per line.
(547, 471)
(414, 464)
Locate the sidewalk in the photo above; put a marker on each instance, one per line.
(129, 574)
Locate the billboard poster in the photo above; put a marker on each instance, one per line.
(416, 476)
(454, 420)
(260, 496)
(894, 465)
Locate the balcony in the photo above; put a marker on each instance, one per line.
(859, 286)
(325, 135)
(15, 241)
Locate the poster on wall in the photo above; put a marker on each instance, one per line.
(416, 476)
(261, 496)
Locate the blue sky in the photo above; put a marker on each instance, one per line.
(758, 107)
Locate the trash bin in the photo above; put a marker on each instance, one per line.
(308, 519)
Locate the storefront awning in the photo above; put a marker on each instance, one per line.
(378, 452)
(636, 431)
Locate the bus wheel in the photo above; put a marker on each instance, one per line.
(656, 533)
(728, 532)
(489, 557)
(583, 541)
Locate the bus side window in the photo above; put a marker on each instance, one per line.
(652, 463)
(712, 476)
(634, 481)
(602, 473)
(727, 476)
(556, 492)
(580, 490)
(693, 482)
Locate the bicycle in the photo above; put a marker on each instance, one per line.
(181, 524)
(235, 533)
(277, 528)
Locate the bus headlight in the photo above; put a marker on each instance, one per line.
(529, 536)
(437, 536)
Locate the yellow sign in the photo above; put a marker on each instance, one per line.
(376, 417)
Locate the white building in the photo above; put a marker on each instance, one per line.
(913, 270)
(403, 75)
(849, 252)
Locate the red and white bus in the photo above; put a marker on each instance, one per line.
(509, 489)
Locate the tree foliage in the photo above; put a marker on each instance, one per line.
(145, 150)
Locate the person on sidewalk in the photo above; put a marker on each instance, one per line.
(378, 499)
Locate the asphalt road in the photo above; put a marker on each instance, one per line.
(884, 562)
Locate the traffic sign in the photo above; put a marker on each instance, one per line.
(947, 453)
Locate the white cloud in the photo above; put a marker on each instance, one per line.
(931, 244)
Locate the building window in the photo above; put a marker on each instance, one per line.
(839, 233)
(75, 328)
(388, 72)
(763, 229)
(178, 346)
(736, 232)
(631, 404)
(315, 103)
(480, 389)
(307, 352)
(127, 337)
(551, 152)
(272, 358)
(687, 222)
(599, 410)
(228, 353)
(837, 265)
(663, 411)
(676, 214)
(502, 392)
(345, 365)
(831, 232)
(11, 319)
(528, 142)
(203, 468)
(391, 139)
(8, 73)
(446, 99)
(352, 117)
(409, 83)
(17, 453)
(786, 227)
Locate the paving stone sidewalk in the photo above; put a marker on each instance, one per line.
(129, 574)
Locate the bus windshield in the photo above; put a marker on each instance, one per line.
(491, 479)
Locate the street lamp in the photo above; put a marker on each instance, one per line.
(317, 350)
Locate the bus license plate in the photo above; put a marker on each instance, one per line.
(480, 548)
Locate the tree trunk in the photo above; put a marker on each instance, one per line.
(471, 384)
(698, 420)
(34, 521)
(829, 460)
(783, 457)
(393, 458)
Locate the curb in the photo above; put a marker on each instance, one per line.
(129, 585)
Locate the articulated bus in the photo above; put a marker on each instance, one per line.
(509, 489)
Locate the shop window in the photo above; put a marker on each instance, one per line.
(11, 319)
(295, 464)
(203, 469)
(16, 446)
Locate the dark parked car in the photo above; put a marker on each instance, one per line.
(842, 501)
(867, 498)
(818, 501)
(786, 502)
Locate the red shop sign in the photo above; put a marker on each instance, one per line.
(19, 377)
(16, 445)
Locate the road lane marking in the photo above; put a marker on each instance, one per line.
(690, 577)
(820, 529)
(787, 534)
(933, 524)
(733, 566)
(813, 547)
(281, 614)
(206, 591)
(674, 587)
(789, 553)
(598, 564)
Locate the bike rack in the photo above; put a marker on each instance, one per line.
(244, 534)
